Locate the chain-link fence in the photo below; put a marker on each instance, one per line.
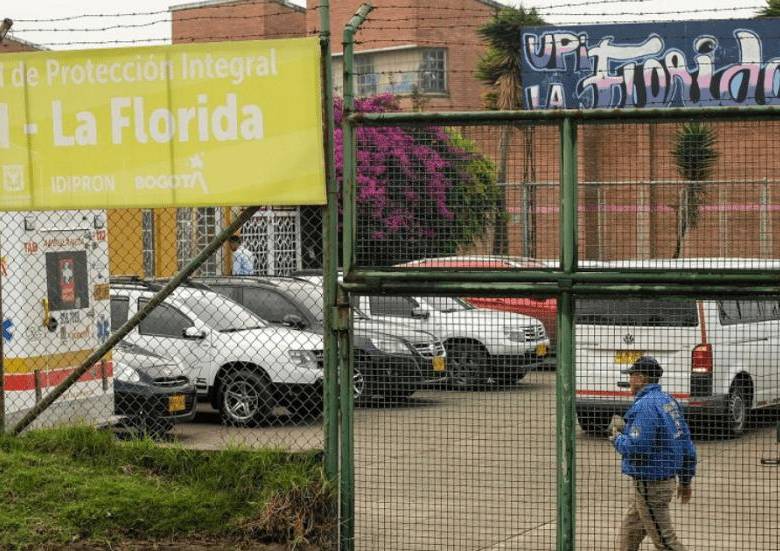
(230, 357)
(671, 223)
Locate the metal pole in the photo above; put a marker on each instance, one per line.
(764, 233)
(526, 219)
(565, 376)
(347, 479)
(348, 132)
(347, 475)
(128, 326)
(330, 242)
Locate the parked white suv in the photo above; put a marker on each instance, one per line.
(720, 357)
(483, 346)
(243, 365)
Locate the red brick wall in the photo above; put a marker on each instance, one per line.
(616, 221)
(450, 24)
(241, 20)
(9, 45)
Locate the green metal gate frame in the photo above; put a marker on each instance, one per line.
(564, 283)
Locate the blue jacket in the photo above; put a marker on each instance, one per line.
(656, 442)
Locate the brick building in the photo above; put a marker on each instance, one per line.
(405, 49)
(426, 53)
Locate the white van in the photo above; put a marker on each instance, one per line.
(721, 358)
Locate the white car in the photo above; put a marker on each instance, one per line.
(483, 346)
(720, 357)
(241, 364)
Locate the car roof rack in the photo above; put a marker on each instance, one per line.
(153, 284)
(160, 282)
(129, 281)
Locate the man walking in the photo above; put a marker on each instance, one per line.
(243, 259)
(655, 443)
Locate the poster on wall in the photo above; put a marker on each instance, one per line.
(652, 65)
(217, 124)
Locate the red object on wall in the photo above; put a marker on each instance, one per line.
(67, 281)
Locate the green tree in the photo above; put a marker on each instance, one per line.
(772, 9)
(500, 69)
(695, 156)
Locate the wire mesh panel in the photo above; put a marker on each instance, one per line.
(460, 453)
(429, 192)
(662, 367)
(688, 189)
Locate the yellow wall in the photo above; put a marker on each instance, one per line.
(165, 242)
(125, 245)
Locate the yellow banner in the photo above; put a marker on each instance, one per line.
(217, 124)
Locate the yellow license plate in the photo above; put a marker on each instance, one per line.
(627, 357)
(541, 350)
(176, 403)
(439, 363)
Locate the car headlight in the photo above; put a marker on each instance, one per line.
(304, 358)
(514, 335)
(125, 373)
(391, 346)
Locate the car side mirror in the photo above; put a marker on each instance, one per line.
(420, 313)
(193, 334)
(294, 320)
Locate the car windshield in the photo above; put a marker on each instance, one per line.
(638, 312)
(222, 314)
(447, 304)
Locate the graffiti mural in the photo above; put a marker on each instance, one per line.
(694, 63)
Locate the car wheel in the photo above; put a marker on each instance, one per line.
(594, 423)
(466, 363)
(737, 410)
(359, 387)
(245, 399)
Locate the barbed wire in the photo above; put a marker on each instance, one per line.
(542, 10)
(179, 40)
(370, 20)
(142, 13)
(150, 23)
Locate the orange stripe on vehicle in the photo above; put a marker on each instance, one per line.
(617, 393)
(49, 362)
(26, 381)
(700, 304)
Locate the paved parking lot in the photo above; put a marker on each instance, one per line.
(476, 470)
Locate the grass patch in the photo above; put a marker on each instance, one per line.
(80, 484)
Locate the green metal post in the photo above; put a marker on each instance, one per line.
(348, 129)
(347, 474)
(330, 244)
(565, 376)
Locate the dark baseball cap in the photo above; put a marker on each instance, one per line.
(647, 365)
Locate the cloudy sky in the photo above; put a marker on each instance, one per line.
(148, 20)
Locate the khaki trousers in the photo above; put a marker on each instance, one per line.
(648, 515)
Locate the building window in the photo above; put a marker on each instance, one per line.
(433, 71)
(274, 236)
(195, 228)
(147, 236)
(367, 78)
